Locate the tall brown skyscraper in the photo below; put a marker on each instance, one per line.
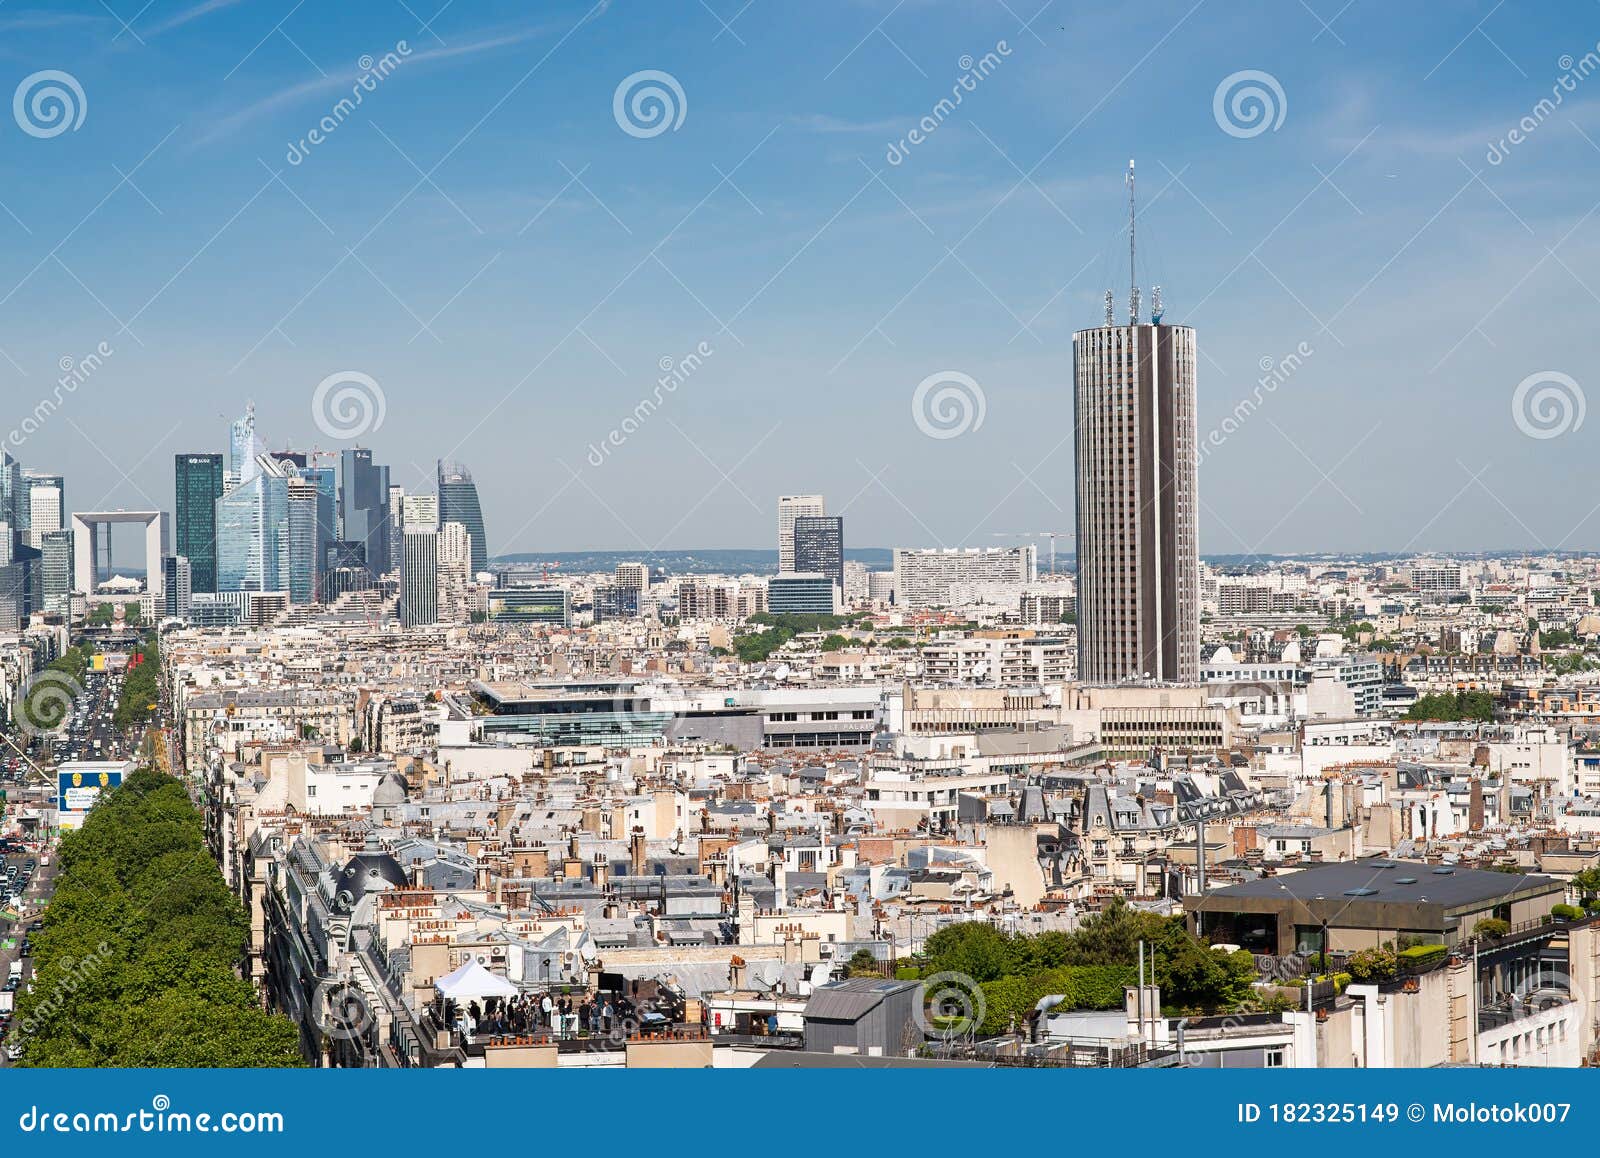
(1137, 533)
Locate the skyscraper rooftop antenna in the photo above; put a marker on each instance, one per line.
(1133, 275)
(1111, 310)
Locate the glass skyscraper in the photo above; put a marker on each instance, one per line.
(243, 447)
(199, 486)
(252, 523)
(364, 506)
(819, 546)
(458, 503)
(300, 549)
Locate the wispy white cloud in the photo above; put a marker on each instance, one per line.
(194, 12)
(33, 20)
(340, 81)
(822, 123)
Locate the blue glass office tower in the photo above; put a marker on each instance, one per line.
(252, 532)
(199, 486)
(458, 503)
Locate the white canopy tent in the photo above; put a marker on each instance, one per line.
(472, 982)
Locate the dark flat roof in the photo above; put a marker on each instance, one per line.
(1390, 881)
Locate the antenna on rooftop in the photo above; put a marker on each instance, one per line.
(1155, 306)
(1133, 275)
(1111, 310)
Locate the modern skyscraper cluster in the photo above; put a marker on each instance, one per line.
(35, 546)
(289, 523)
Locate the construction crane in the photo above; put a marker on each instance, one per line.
(1051, 535)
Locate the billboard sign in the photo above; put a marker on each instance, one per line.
(78, 788)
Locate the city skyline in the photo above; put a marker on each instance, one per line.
(1409, 190)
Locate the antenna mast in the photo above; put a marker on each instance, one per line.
(1133, 275)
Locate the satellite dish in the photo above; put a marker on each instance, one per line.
(770, 974)
(980, 669)
(781, 672)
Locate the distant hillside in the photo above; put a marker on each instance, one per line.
(709, 561)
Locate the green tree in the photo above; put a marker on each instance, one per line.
(862, 963)
(136, 963)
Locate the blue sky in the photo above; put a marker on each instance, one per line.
(483, 240)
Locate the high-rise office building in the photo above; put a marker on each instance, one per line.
(364, 506)
(252, 539)
(419, 512)
(1138, 534)
(633, 575)
(176, 584)
(244, 448)
(12, 513)
(419, 578)
(325, 479)
(943, 577)
(55, 573)
(299, 549)
(397, 527)
(790, 508)
(42, 507)
(199, 486)
(455, 572)
(819, 547)
(458, 503)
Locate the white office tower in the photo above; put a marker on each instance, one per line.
(454, 571)
(948, 576)
(1138, 533)
(790, 508)
(633, 576)
(419, 512)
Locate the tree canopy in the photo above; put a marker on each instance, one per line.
(135, 964)
(1091, 965)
